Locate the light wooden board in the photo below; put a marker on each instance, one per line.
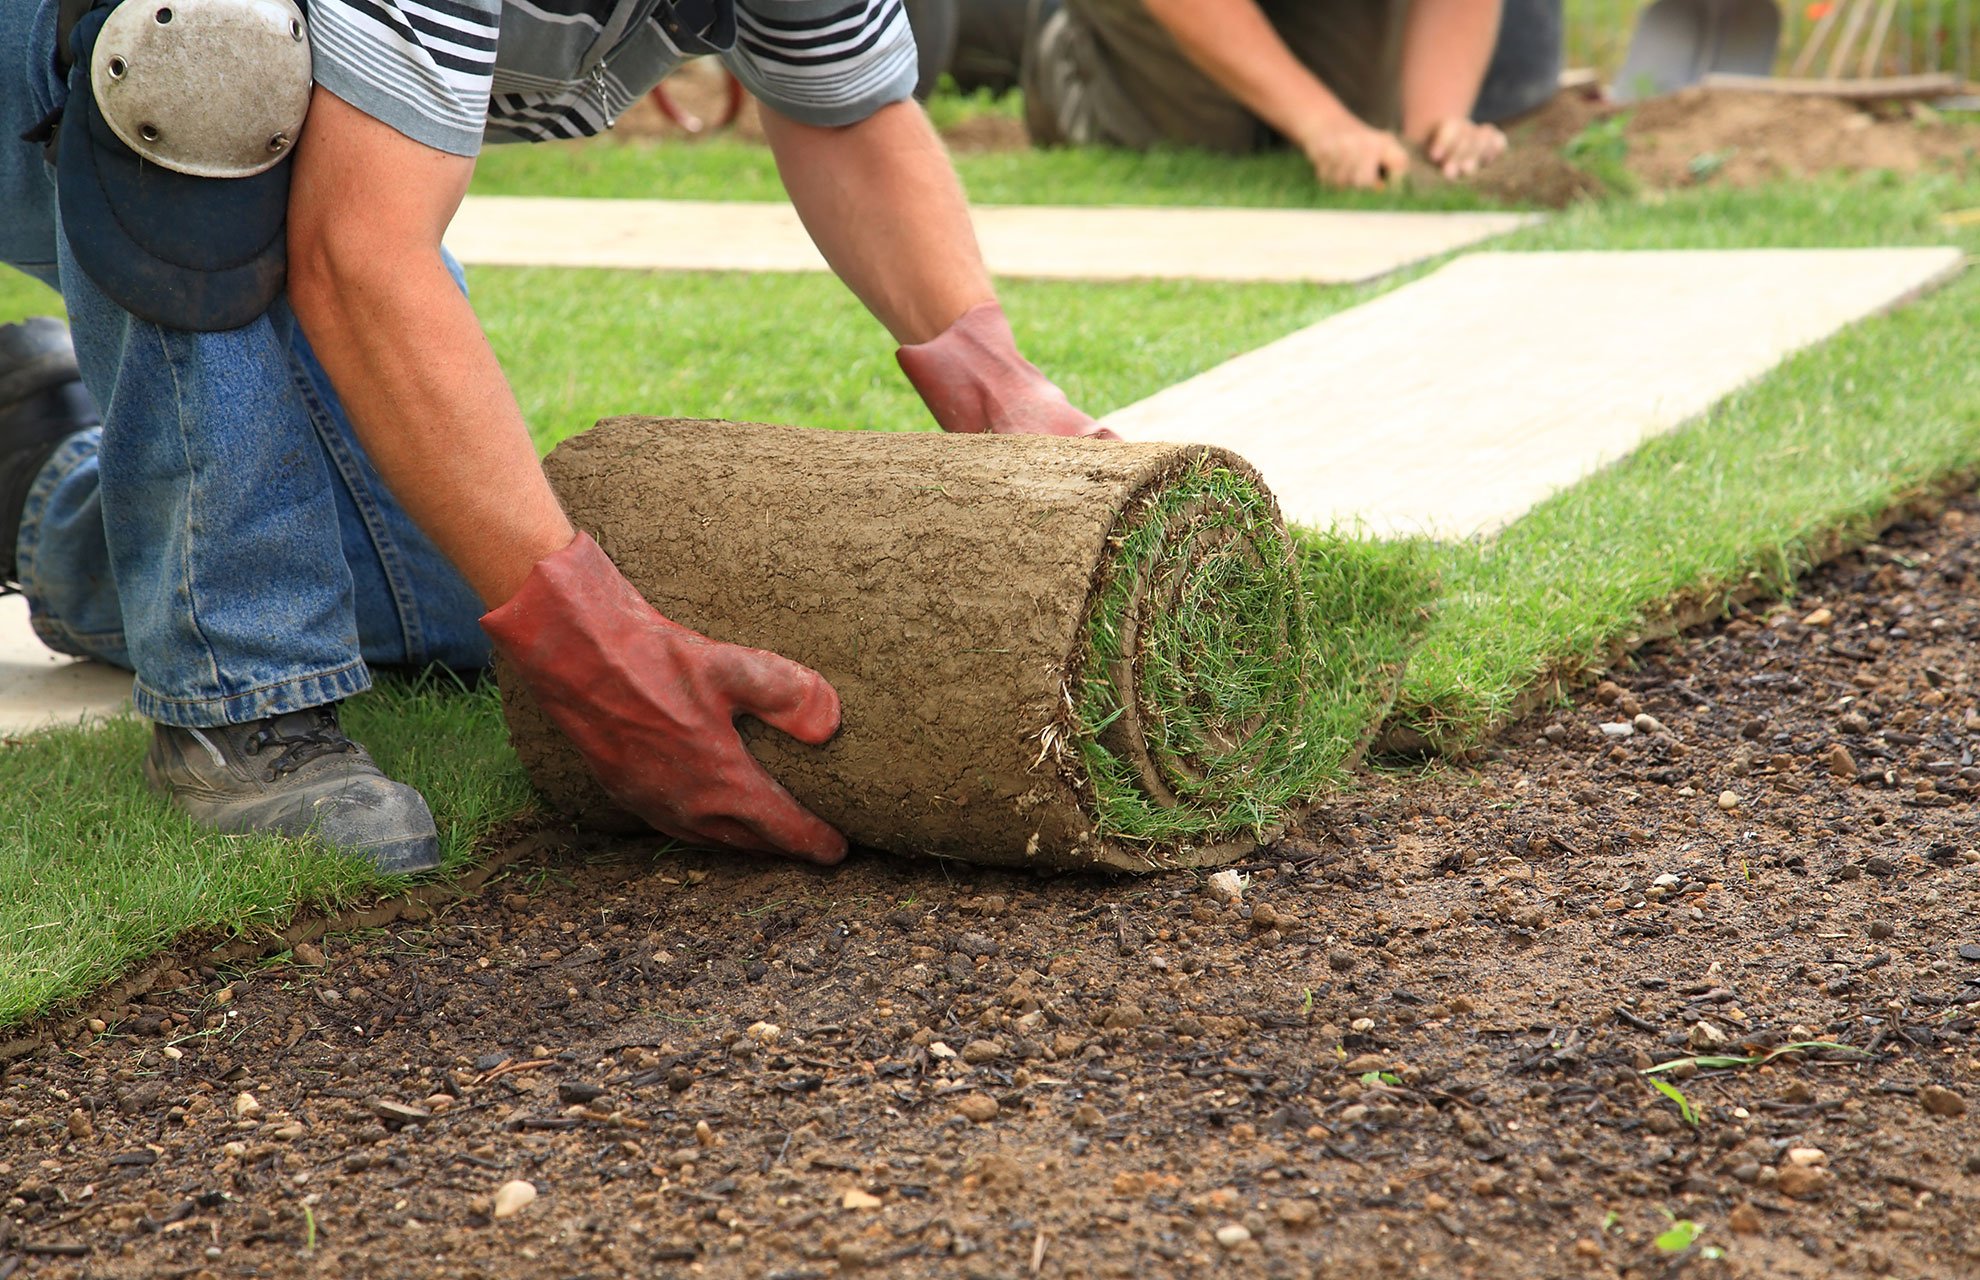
(1872, 89)
(39, 688)
(1453, 404)
(1327, 246)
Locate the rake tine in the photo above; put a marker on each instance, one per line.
(1878, 34)
(1963, 26)
(1806, 58)
(1858, 11)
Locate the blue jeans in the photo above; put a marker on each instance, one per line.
(223, 534)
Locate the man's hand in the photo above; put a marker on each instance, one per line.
(1235, 44)
(653, 706)
(973, 380)
(1447, 45)
(1460, 148)
(1350, 154)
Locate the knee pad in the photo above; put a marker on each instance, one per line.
(172, 161)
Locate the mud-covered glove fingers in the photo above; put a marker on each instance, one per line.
(1047, 412)
(652, 706)
(757, 813)
(753, 810)
(788, 696)
(731, 801)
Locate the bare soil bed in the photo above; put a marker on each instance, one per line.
(1414, 1047)
(1697, 136)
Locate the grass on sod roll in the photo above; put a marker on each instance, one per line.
(1208, 665)
(93, 873)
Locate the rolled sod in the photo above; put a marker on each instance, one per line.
(1051, 653)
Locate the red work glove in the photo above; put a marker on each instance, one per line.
(653, 706)
(973, 380)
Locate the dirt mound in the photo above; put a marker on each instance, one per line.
(1578, 145)
(1746, 138)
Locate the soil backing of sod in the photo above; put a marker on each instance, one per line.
(1421, 1043)
(1052, 654)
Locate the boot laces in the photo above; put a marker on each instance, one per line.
(299, 747)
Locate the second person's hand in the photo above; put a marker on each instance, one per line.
(1460, 147)
(1351, 154)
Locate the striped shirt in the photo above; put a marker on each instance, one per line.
(455, 73)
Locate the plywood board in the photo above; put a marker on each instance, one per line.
(1328, 246)
(39, 688)
(1453, 404)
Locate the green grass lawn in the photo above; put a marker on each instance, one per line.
(580, 345)
(22, 296)
(94, 874)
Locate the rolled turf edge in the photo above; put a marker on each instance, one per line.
(1052, 654)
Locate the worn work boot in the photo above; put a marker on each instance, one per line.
(294, 775)
(42, 403)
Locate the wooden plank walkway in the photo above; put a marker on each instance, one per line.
(1120, 243)
(1458, 401)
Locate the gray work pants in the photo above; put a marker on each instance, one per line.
(1104, 71)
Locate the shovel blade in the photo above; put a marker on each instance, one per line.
(1679, 42)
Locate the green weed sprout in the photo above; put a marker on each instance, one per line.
(1676, 1095)
(1682, 1233)
(1721, 1061)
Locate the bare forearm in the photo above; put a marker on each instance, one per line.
(882, 203)
(367, 207)
(432, 409)
(1234, 44)
(1447, 46)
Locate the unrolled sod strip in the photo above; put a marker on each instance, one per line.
(1050, 653)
